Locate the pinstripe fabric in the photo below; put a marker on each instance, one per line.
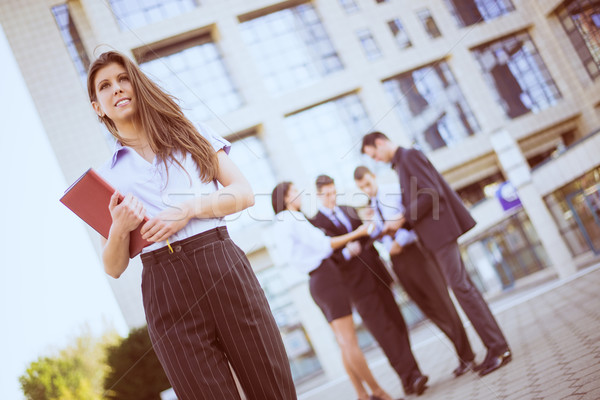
(205, 308)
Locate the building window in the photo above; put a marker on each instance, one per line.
(368, 44)
(399, 33)
(250, 155)
(196, 75)
(480, 190)
(135, 13)
(290, 47)
(470, 12)
(349, 6)
(327, 138)
(576, 210)
(71, 37)
(511, 247)
(429, 23)
(515, 70)
(432, 106)
(581, 21)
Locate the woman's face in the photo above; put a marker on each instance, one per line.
(115, 97)
(292, 199)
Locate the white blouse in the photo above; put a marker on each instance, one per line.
(299, 243)
(128, 172)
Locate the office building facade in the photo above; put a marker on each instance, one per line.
(493, 91)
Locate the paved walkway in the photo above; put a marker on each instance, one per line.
(554, 334)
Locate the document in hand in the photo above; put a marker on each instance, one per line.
(89, 197)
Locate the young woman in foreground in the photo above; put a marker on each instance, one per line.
(203, 304)
(308, 249)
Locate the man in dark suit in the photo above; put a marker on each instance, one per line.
(368, 283)
(439, 217)
(417, 273)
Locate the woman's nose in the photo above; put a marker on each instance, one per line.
(117, 88)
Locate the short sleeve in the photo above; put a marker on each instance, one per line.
(215, 140)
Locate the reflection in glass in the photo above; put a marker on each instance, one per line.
(469, 12)
(399, 33)
(197, 76)
(368, 44)
(576, 210)
(291, 48)
(349, 6)
(517, 74)
(429, 23)
(581, 20)
(71, 37)
(327, 139)
(250, 156)
(432, 106)
(135, 13)
(301, 355)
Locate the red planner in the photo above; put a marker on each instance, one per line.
(89, 197)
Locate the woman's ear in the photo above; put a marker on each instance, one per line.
(98, 109)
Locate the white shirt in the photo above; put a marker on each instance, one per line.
(389, 200)
(299, 243)
(128, 172)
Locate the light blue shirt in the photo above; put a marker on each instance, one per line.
(299, 243)
(389, 200)
(128, 172)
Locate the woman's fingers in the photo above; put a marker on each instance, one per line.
(152, 228)
(114, 200)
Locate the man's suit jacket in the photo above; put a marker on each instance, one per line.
(433, 209)
(368, 260)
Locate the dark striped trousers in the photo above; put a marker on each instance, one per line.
(205, 308)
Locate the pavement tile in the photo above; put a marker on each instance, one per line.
(555, 340)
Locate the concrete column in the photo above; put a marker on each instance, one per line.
(319, 332)
(518, 172)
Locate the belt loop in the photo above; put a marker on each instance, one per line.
(220, 233)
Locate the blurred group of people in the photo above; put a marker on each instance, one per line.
(418, 221)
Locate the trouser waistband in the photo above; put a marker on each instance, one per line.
(199, 240)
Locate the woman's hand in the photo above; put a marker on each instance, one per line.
(127, 215)
(354, 248)
(395, 249)
(167, 223)
(365, 229)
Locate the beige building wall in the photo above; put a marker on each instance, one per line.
(80, 142)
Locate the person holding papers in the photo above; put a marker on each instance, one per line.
(203, 304)
(308, 249)
(418, 275)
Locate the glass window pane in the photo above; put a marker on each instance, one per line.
(132, 14)
(429, 102)
(517, 74)
(368, 44)
(327, 139)
(290, 47)
(399, 33)
(72, 40)
(429, 23)
(581, 21)
(199, 78)
(469, 12)
(349, 6)
(251, 157)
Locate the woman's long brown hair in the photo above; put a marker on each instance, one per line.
(168, 129)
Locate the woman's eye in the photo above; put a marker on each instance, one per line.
(103, 86)
(124, 78)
